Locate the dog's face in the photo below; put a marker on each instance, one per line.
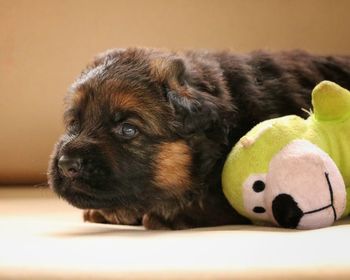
(131, 126)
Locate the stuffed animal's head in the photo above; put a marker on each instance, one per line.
(278, 174)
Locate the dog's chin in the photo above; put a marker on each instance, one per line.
(80, 196)
(84, 201)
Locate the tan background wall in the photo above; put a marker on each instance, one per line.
(44, 44)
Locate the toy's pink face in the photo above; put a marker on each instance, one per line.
(302, 189)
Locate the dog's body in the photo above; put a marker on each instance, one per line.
(148, 131)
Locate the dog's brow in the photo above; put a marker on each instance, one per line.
(127, 115)
(138, 117)
(118, 116)
(126, 101)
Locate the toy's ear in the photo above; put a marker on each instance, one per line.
(330, 101)
(197, 94)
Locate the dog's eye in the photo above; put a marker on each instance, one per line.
(126, 130)
(129, 130)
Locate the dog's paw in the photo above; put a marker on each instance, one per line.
(155, 222)
(119, 217)
(94, 216)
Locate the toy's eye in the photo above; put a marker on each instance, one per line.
(255, 192)
(259, 210)
(258, 186)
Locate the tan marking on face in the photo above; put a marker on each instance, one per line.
(173, 166)
(127, 101)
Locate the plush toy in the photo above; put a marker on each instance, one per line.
(292, 172)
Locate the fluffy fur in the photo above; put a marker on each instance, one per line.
(187, 109)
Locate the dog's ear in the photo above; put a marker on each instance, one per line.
(197, 93)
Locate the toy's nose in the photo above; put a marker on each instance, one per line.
(286, 211)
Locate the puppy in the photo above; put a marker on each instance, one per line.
(148, 131)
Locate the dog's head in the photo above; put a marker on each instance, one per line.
(142, 127)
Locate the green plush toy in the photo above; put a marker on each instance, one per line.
(292, 172)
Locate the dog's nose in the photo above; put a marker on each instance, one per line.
(70, 166)
(286, 211)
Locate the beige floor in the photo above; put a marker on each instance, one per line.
(42, 237)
